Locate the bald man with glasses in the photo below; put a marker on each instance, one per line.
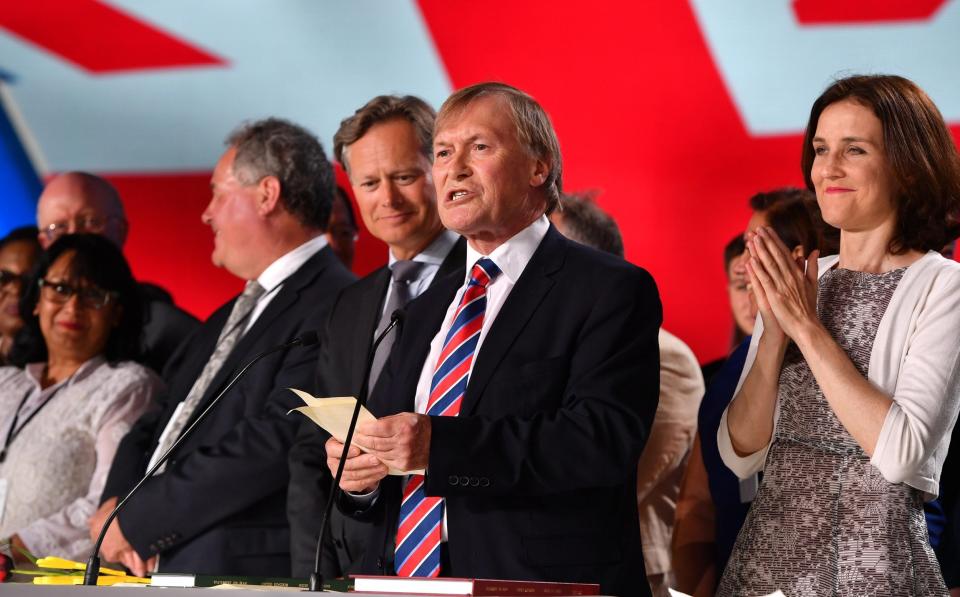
(77, 202)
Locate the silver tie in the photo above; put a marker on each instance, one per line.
(229, 335)
(404, 274)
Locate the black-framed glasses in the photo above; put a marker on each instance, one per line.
(88, 296)
(9, 279)
(94, 224)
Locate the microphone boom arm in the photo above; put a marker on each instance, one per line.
(93, 564)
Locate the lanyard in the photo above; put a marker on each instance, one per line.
(14, 432)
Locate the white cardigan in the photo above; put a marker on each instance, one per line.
(916, 361)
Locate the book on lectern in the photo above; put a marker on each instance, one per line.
(477, 587)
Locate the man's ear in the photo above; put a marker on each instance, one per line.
(541, 170)
(269, 195)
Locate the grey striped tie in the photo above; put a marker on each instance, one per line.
(229, 335)
(404, 274)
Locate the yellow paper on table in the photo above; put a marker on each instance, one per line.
(333, 415)
(56, 563)
(102, 581)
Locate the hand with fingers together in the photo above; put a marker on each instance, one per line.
(786, 293)
(400, 441)
(361, 472)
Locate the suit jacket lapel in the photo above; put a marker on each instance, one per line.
(286, 297)
(521, 304)
(455, 261)
(414, 343)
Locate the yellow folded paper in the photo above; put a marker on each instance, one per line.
(102, 581)
(62, 564)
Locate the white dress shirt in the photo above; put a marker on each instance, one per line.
(272, 278)
(512, 258)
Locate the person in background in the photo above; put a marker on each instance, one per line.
(664, 457)
(81, 202)
(217, 506)
(342, 229)
(18, 252)
(742, 306)
(78, 392)
(850, 389)
(385, 149)
(713, 502)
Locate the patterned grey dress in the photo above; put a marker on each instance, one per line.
(825, 521)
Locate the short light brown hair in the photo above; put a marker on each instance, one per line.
(534, 129)
(919, 149)
(381, 109)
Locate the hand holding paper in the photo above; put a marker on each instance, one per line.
(400, 441)
(333, 416)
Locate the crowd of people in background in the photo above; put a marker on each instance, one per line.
(815, 457)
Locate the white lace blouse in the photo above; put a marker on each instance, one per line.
(58, 461)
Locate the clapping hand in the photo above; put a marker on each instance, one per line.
(786, 293)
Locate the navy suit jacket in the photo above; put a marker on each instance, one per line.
(539, 469)
(219, 507)
(344, 354)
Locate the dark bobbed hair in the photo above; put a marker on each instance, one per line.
(292, 154)
(96, 261)
(919, 149)
(28, 234)
(384, 108)
(732, 250)
(791, 213)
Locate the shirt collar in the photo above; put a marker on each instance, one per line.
(513, 256)
(34, 372)
(436, 251)
(280, 270)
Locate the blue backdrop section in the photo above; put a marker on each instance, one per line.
(19, 183)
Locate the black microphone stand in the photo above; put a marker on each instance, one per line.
(316, 577)
(93, 564)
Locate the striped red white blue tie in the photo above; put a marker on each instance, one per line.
(421, 517)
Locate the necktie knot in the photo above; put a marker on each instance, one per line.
(484, 272)
(252, 290)
(406, 271)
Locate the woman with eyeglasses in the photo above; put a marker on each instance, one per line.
(63, 414)
(18, 252)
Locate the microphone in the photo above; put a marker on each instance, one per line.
(316, 578)
(93, 564)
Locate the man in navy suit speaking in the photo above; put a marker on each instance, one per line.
(522, 391)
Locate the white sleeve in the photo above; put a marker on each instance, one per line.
(927, 393)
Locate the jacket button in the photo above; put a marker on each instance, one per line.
(379, 563)
(474, 482)
(484, 482)
(464, 481)
(453, 480)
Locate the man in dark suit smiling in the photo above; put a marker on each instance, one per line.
(385, 147)
(217, 507)
(525, 388)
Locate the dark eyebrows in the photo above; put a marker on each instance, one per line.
(847, 140)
